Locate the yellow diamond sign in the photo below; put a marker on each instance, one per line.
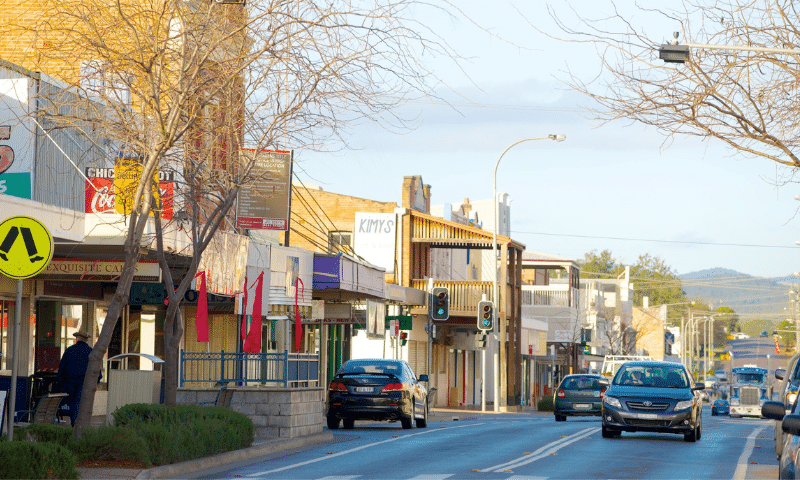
(26, 247)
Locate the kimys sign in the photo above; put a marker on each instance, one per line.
(108, 190)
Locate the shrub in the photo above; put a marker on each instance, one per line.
(545, 404)
(36, 460)
(185, 432)
(45, 433)
(111, 443)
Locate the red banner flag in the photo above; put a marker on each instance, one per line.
(252, 343)
(201, 318)
(244, 311)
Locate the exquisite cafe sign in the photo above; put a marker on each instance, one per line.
(108, 188)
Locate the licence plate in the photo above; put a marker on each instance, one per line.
(581, 406)
(364, 389)
(648, 416)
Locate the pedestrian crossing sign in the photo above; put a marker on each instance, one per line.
(26, 247)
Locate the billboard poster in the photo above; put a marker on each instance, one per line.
(375, 237)
(16, 136)
(100, 191)
(265, 204)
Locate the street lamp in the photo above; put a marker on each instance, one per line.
(674, 52)
(497, 307)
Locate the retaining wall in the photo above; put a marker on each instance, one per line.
(276, 413)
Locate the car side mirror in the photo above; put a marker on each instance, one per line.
(423, 378)
(791, 424)
(699, 386)
(604, 382)
(773, 410)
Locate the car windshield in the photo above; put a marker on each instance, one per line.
(371, 368)
(581, 383)
(651, 376)
(750, 377)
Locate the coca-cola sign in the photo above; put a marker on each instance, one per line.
(100, 196)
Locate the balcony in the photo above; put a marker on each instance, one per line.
(464, 296)
(549, 295)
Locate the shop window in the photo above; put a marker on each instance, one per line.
(56, 321)
(339, 241)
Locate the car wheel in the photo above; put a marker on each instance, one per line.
(333, 423)
(713, 413)
(691, 436)
(608, 433)
(423, 422)
(348, 423)
(699, 431)
(408, 422)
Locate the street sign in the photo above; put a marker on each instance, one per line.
(405, 321)
(26, 247)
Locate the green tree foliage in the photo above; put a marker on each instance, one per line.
(786, 330)
(651, 276)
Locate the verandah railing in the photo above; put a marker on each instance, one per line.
(267, 368)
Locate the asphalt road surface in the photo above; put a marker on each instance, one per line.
(523, 446)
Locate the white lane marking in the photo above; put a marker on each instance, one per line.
(542, 452)
(345, 452)
(432, 476)
(741, 465)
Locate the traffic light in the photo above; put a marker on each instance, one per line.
(440, 303)
(485, 315)
(403, 338)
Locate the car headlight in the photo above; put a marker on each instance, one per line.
(684, 404)
(791, 398)
(612, 402)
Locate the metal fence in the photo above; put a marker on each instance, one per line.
(281, 369)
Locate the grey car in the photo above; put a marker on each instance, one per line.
(651, 396)
(578, 395)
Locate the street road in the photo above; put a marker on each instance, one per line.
(524, 446)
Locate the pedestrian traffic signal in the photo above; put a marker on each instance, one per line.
(485, 315)
(440, 303)
(403, 338)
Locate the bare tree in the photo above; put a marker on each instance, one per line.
(748, 100)
(183, 86)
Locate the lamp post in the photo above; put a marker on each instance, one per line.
(675, 52)
(501, 326)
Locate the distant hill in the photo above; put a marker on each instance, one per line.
(755, 296)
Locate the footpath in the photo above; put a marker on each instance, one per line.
(767, 469)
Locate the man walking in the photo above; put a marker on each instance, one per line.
(72, 370)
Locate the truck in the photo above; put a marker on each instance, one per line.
(611, 363)
(748, 389)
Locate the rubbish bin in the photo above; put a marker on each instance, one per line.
(132, 386)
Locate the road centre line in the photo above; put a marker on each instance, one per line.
(741, 465)
(345, 452)
(542, 452)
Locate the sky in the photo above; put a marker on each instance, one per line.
(695, 205)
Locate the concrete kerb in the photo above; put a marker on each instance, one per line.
(268, 447)
(182, 469)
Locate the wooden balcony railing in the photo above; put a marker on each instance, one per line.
(464, 296)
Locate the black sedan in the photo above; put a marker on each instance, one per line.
(377, 389)
(578, 395)
(648, 396)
